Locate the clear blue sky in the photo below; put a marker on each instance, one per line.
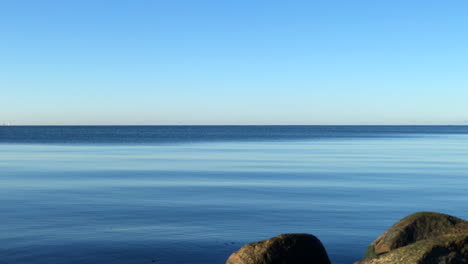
(233, 62)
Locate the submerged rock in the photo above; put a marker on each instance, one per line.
(282, 249)
(421, 238)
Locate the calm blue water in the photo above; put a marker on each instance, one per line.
(195, 194)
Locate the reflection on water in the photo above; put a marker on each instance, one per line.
(198, 202)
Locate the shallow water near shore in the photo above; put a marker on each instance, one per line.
(196, 194)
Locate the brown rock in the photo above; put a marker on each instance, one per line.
(450, 249)
(418, 226)
(421, 238)
(282, 249)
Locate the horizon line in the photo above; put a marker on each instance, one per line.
(140, 125)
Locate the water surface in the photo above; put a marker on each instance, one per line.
(195, 194)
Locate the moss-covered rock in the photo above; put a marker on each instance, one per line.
(421, 238)
(449, 249)
(418, 226)
(282, 249)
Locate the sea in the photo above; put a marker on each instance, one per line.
(195, 194)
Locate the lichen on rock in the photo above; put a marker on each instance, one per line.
(424, 237)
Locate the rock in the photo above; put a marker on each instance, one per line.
(449, 249)
(418, 226)
(282, 249)
(424, 237)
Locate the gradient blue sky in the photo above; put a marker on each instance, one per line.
(233, 62)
